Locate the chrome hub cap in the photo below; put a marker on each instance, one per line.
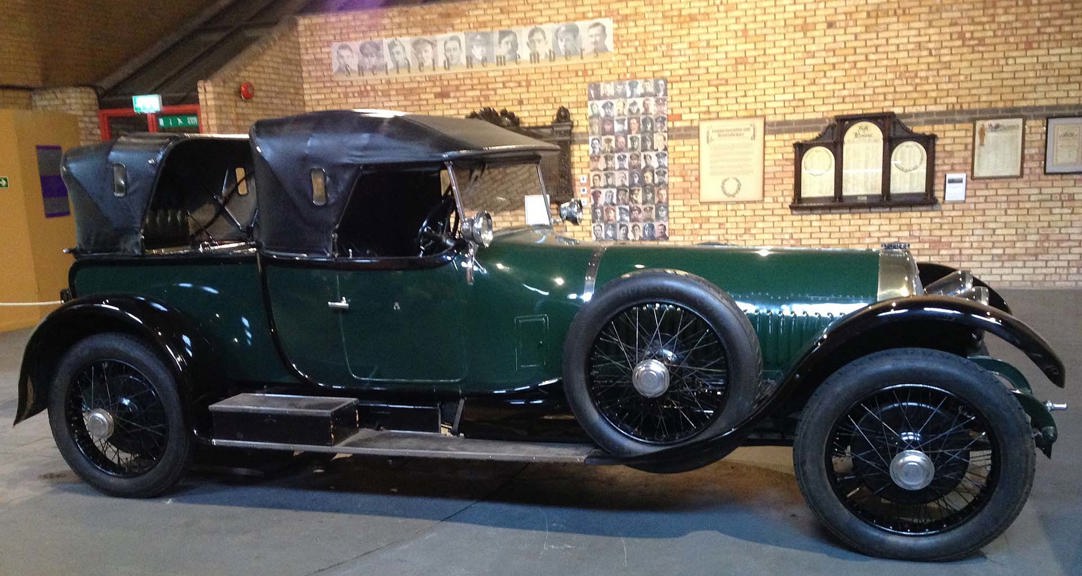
(100, 424)
(912, 470)
(650, 378)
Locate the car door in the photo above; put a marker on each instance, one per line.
(402, 322)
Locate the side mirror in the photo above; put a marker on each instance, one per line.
(478, 230)
(571, 211)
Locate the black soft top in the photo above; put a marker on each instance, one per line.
(173, 185)
(110, 215)
(342, 144)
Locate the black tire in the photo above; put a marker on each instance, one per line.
(914, 454)
(116, 386)
(650, 319)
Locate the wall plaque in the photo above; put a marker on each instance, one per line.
(731, 160)
(1063, 146)
(997, 148)
(864, 160)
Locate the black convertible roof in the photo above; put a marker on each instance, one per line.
(342, 144)
(162, 172)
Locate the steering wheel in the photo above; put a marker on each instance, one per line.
(437, 230)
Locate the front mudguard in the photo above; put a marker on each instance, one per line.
(899, 323)
(1039, 415)
(166, 330)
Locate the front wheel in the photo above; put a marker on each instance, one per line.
(914, 454)
(117, 418)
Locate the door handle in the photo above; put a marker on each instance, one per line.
(342, 304)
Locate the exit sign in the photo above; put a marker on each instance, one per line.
(179, 121)
(147, 103)
(3, 181)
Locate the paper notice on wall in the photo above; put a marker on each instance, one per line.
(731, 160)
(537, 212)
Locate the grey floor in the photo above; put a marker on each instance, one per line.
(743, 515)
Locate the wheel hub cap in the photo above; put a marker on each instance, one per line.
(912, 470)
(100, 424)
(650, 378)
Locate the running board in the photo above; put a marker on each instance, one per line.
(429, 445)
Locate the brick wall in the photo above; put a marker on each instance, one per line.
(80, 102)
(74, 42)
(939, 66)
(273, 67)
(17, 99)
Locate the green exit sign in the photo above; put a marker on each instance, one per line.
(147, 103)
(3, 181)
(179, 121)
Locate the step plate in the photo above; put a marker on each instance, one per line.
(422, 445)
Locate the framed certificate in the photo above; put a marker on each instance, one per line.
(997, 147)
(731, 160)
(1063, 146)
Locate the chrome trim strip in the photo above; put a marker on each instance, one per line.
(591, 273)
(898, 275)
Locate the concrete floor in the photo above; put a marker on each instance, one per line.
(743, 515)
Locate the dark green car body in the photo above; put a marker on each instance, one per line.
(371, 283)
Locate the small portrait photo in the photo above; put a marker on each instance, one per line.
(661, 88)
(595, 180)
(478, 49)
(610, 213)
(648, 107)
(621, 159)
(398, 56)
(636, 213)
(610, 179)
(610, 197)
(537, 44)
(595, 146)
(635, 197)
(607, 125)
(610, 161)
(566, 44)
(620, 143)
(636, 178)
(595, 125)
(622, 233)
(661, 196)
(634, 108)
(596, 197)
(634, 161)
(636, 231)
(660, 123)
(597, 38)
(507, 47)
(371, 58)
(343, 59)
(648, 213)
(621, 180)
(595, 213)
(647, 176)
(619, 125)
(599, 231)
(634, 142)
(648, 231)
(424, 54)
(649, 160)
(661, 231)
(623, 214)
(608, 108)
(661, 176)
(610, 231)
(608, 144)
(621, 107)
(660, 142)
(621, 196)
(661, 105)
(595, 110)
(634, 89)
(661, 211)
(633, 125)
(648, 195)
(452, 51)
(647, 124)
(606, 90)
(663, 159)
(593, 91)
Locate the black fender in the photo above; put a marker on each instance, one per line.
(165, 329)
(941, 322)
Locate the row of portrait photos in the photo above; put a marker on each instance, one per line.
(466, 50)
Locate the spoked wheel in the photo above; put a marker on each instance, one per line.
(677, 368)
(657, 360)
(914, 454)
(116, 417)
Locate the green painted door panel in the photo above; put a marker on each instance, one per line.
(404, 327)
(306, 326)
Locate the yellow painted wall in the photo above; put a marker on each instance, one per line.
(33, 267)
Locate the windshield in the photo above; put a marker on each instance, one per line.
(512, 193)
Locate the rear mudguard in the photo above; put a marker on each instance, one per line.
(899, 323)
(166, 330)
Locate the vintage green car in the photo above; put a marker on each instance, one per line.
(377, 283)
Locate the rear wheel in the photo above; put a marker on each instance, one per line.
(914, 454)
(117, 419)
